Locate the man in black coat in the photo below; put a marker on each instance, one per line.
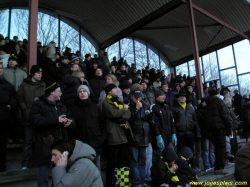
(219, 123)
(90, 125)
(162, 126)
(50, 119)
(9, 100)
(186, 124)
(237, 99)
(137, 149)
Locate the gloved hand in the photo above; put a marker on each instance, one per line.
(160, 142)
(174, 139)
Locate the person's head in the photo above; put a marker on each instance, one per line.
(144, 85)
(7, 40)
(226, 94)
(106, 63)
(68, 50)
(95, 65)
(75, 60)
(36, 73)
(186, 152)
(53, 91)
(88, 56)
(169, 155)
(98, 72)
(134, 70)
(125, 87)
(145, 79)
(20, 43)
(164, 86)
(2, 42)
(113, 69)
(15, 38)
(177, 86)
(228, 102)
(111, 79)
(136, 95)
(160, 96)
(105, 53)
(123, 67)
(17, 47)
(45, 48)
(111, 89)
(83, 92)
(235, 91)
(114, 58)
(65, 59)
(12, 61)
(190, 89)
(163, 72)
(24, 67)
(214, 92)
(95, 56)
(58, 147)
(74, 67)
(79, 74)
(182, 97)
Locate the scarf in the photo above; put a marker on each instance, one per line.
(183, 105)
(175, 177)
(118, 104)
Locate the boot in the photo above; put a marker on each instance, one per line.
(221, 172)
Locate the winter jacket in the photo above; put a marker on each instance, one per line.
(192, 97)
(200, 113)
(173, 99)
(28, 93)
(4, 59)
(148, 98)
(237, 98)
(14, 76)
(82, 172)
(51, 51)
(185, 121)
(8, 96)
(116, 134)
(21, 57)
(126, 98)
(139, 122)
(44, 119)
(162, 121)
(97, 85)
(60, 72)
(167, 94)
(103, 97)
(157, 84)
(234, 118)
(90, 126)
(217, 116)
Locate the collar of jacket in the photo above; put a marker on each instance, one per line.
(45, 99)
(29, 81)
(98, 77)
(85, 102)
(184, 105)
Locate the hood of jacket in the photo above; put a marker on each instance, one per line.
(71, 81)
(186, 152)
(82, 150)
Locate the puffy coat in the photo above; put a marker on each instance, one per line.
(82, 172)
(115, 133)
(200, 112)
(8, 96)
(139, 122)
(97, 85)
(185, 121)
(44, 118)
(217, 116)
(28, 93)
(14, 76)
(162, 121)
(90, 126)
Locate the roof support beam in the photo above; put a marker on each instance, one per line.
(179, 26)
(217, 19)
(141, 23)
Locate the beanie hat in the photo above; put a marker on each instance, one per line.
(34, 69)
(50, 87)
(213, 92)
(169, 155)
(164, 83)
(186, 152)
(125, 85)
(189, 87)
(87, 55)
(158, 93)
(83, 87)
(12, 57)
(74, 58)
(135, 86)
(108, 88)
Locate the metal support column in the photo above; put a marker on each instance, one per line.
(59, 31)
(120, 51)
(80, 41)
(147, 53)
(32, 40)
(237, 75)
(188, 70)
(10, 9)
(218, 66)
(134, 51)
(159, 60)
(195, 49)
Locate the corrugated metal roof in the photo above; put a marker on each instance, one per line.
(106, 19)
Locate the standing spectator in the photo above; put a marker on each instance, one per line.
(28, 92)
(176, 90)
(50, 120)
(76, 167)
(187, 128)
(219, 122)
(157, 83)
(97, 84)
(165, 89)
(137, 149)
(21, 56)
(8, 101)
(118, 132)
(237, 99)
(148, 95)
(51, 50)
(163, 126)
(192, 96)
(90, 127)
(114, 62)
(125, 87)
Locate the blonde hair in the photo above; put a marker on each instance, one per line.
(113, 78)
(78, 74)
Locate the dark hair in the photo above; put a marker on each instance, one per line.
(64, 145)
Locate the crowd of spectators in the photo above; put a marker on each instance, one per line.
(152, 123)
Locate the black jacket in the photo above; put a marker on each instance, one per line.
(185, 121)
(139, 122)
(44, 118)
(90, 125)
(97, 85)
(192, 97)
(200, 112)
(8, 96)
(162, 121)
(217, 116)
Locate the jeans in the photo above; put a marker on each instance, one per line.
(219, 141)
(117, 157)
(43, 176)
(97, 162)
(197, 152)
(137, 164)
(208, 153)
(149, 156)
(27, 147)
